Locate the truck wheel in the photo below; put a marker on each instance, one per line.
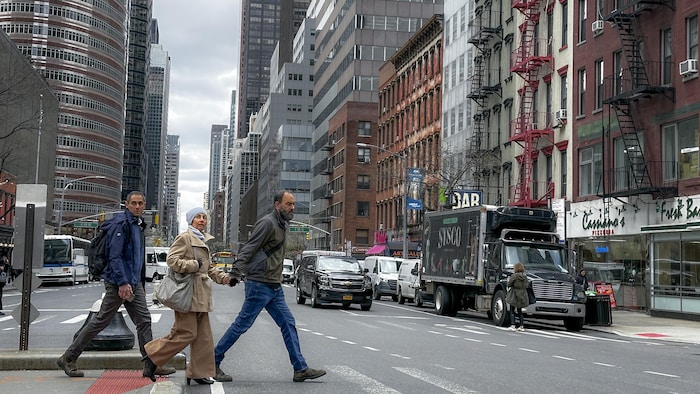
(443, 301)
(456, 303)
(366, 307)
(402, 299)
(300, 296)
(314, 297)
(419, 299)
(499, 309)
(573, 323)
(376, 293)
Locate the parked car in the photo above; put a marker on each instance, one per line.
(383, 270)
(408, 284)
(288, 271)
(332, 279)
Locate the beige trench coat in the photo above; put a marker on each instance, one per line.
(183, 256)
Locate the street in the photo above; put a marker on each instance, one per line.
(391, 348)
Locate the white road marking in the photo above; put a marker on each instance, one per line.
(350, 342)
(564, 358)
(528, 350)
(79, 318)
(662, 374)
(436, 381)
(366, 383)
(371, 348)
(473, 340)
(497, 344)
(400, 356)
(604, 364)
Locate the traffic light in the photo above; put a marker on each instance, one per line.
(308, 236)
(102, 216)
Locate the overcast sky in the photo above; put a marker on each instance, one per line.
(202, 38)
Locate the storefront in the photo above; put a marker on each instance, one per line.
(649, 250)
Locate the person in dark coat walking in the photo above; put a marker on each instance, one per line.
(582, 279)
(517, 296)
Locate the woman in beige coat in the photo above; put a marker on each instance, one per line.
(190, 254)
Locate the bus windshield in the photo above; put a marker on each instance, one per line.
(535, 258)
(57, 251)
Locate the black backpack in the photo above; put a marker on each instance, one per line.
(98, 255)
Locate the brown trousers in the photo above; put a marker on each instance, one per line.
(193, 329)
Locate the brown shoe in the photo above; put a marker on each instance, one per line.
(69, 367)
(165, 370)
(308, 373)
(222, 376)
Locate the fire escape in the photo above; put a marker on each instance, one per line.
(640, 80)
(482, 34)
(529, 126)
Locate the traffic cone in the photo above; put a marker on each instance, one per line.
(116, 336)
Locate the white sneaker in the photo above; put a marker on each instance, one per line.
(511, 328)
(521, 328)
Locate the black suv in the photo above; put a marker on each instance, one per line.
(337, 279)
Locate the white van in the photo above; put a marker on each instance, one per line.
(408, 281)
(383, 271)
(288, 271)
(156, 265)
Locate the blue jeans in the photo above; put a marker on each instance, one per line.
(258, 296)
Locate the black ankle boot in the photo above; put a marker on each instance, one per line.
(149, 368)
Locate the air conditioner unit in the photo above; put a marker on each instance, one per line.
(688, 66)
(535, 126)
(597, 26)
(560, 115)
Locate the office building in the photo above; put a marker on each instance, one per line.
(80, 49)
(263, 23)
(353, 40)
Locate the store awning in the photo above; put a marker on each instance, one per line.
(376, 249)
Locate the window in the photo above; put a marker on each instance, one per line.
(363, 181)
(364, 129)
(599, 66)
(680, 145)
(563, 91)
(692, 36)
(582, 91)
(666, 64)
(617, 71)
(590, 170)
(363, 155)
(563, 164)
(583, 20)
(362, 236)
(564, 24)
(624, 176)
(363, 208)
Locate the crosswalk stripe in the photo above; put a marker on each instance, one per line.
(435, 380)
(367, 384)
(79, 318)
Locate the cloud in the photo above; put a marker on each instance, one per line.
(202, 39)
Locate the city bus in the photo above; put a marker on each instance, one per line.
(223, 260)
(65, 260)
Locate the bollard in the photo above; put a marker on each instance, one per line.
(116, 336)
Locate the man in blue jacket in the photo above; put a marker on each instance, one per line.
(124, 279)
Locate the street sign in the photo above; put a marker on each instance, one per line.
(85, 224)
(298, 229)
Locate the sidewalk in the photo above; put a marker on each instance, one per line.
(642, 326)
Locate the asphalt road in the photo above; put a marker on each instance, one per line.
(392, 348)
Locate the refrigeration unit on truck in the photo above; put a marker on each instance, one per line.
(470, 252)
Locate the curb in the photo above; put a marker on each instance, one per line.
(45, 359)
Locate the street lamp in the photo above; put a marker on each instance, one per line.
(63, 197)
(405, 192)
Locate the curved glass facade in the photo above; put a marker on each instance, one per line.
(80, 49)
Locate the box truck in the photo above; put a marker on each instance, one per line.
(469, 253)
